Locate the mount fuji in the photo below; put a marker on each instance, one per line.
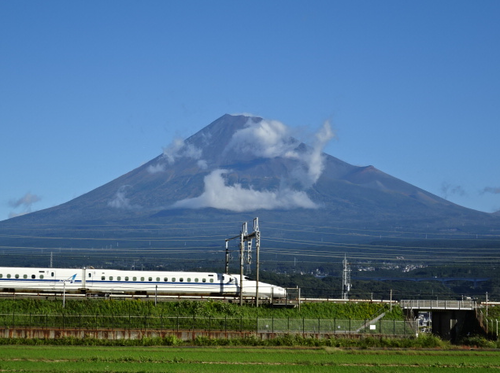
(236, 168)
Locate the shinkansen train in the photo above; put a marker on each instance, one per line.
(112, 281)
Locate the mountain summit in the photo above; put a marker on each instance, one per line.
(242, 166)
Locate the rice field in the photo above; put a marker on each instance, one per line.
(249, 359)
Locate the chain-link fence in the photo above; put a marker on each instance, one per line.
(176, 323)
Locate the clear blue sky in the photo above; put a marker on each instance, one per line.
(90, 90)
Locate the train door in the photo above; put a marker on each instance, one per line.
(88, 278)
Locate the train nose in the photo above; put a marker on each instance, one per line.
(279, 292)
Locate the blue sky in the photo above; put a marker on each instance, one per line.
(90, 90)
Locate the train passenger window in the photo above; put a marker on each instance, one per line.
(41, 277)
(126, 278)
(33, 276)
(17, 276)
(173, 279)
(211, 280)
(181, 279)
(165, 279)
(110, 278)
(119, 278)
(195, 280)
(189, 279)
(8, 276)
(157, 279)
(134, 278)
(150, 278)
(103, 278)
(142, 278)
(204, 280)
(25, 276)
(52, 274)
(90, 275)
(1, 276)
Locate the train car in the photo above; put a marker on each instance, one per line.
(113, 281)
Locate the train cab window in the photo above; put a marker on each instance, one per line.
(103, 278)
(142, 278)
(165, 279)
(126, 278)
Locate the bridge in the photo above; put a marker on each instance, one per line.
(450, 318)
(438, 305)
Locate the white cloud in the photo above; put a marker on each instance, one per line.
(236, 198)
(314, 157)
(266, 139)
(25, 203)
(202, 164)
(120, 200)
(179, 149)
(153, 169)
(493, 190)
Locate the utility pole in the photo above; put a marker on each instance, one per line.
(243, 233)
(346, 278)
(247, 238)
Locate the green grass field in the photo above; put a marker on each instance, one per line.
(224, 359)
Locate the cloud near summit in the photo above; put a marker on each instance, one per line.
(271, 139)
(266, 139)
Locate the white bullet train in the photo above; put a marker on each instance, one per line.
(112, 281)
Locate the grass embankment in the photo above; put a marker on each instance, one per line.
(130, 310)
(355, 311)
